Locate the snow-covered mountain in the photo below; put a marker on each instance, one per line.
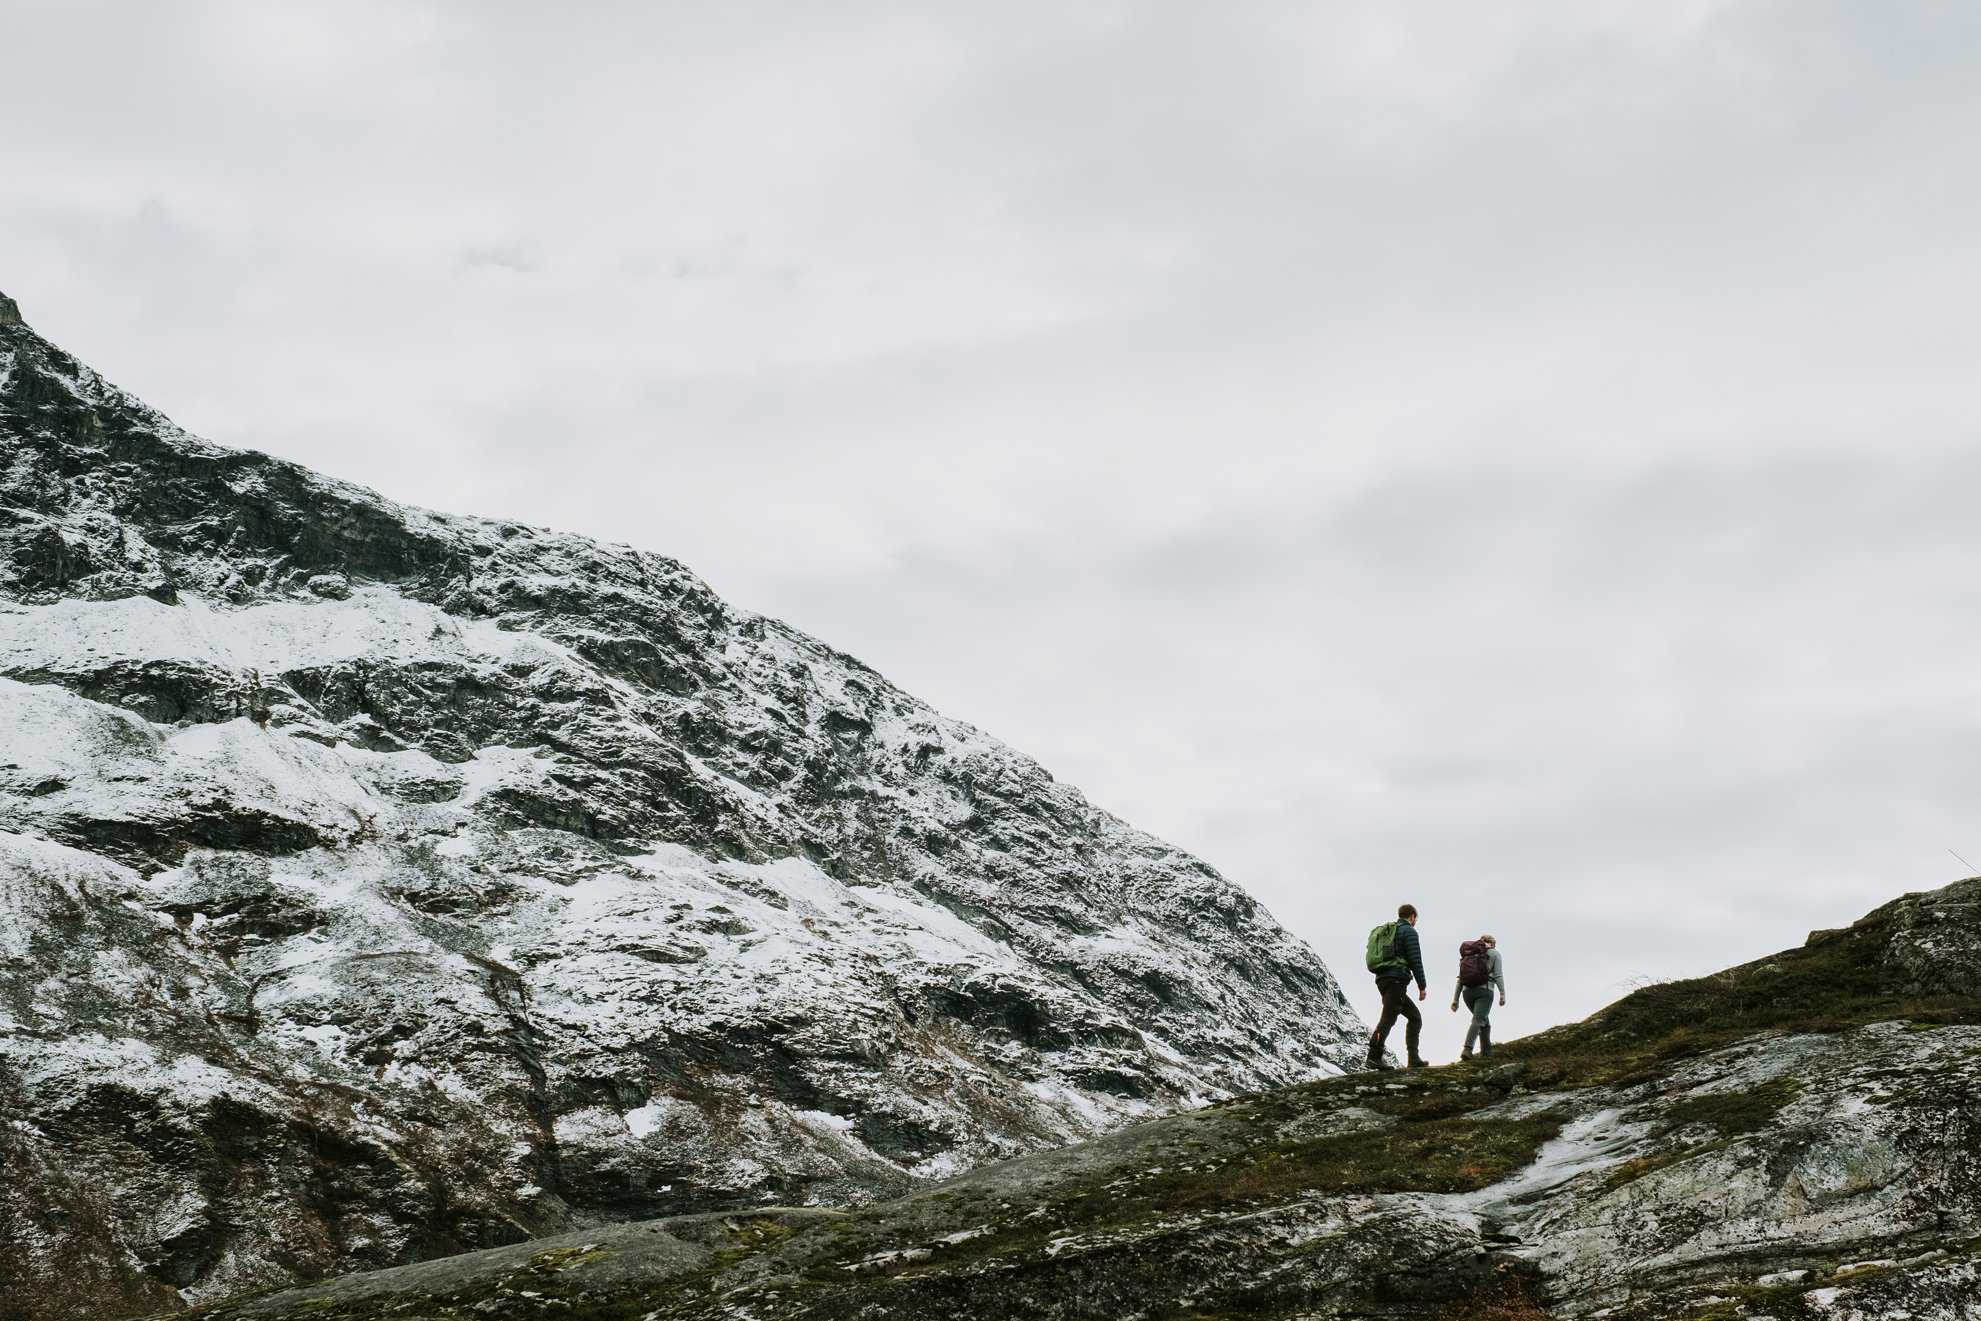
(378, 883)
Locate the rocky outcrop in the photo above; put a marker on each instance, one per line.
(1796, 1138)
(378, 884)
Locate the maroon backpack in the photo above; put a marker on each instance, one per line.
(1474, 969)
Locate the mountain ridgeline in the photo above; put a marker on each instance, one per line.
(378, 885)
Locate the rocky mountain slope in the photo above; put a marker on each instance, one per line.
(377, 884)
(1799, 1137)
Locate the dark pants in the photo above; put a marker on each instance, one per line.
(1479, 999)
(1396, 1004)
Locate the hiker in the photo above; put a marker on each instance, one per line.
(1479, 971)
(1394, 957)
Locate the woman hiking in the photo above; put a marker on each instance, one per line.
(1479, 971)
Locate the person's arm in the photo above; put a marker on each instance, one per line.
(1457, 989)
(1499, 975)
(1413, 955)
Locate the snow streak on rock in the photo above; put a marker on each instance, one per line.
(377, 883)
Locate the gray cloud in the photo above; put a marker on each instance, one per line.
(1653, 724)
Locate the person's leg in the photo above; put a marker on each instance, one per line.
(1482, 1008)
(1414, 1024)
(1478, 999)
(1393, 998)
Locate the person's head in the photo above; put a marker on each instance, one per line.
(1407, 913)
(1488, 940)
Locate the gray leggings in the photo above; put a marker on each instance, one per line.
(1479, 999)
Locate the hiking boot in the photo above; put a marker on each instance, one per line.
(1485, 1041)
(1464, 1055)
(1377, 1063)
(1419, 1062)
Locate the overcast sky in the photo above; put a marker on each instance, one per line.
(1515, 457)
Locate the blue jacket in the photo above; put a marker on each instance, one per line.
(1413, 957)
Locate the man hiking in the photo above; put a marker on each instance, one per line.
(1479, 971)
(1394, 957)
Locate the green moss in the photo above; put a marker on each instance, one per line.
(1782, 1303)
(1419, 1095)
(1736, 1112)
(1630, 1171)
(1732, 1113)
(1429, 1155)
(1443, 1103)
(752, 1236)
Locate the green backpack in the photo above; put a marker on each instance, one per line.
(1382, 947)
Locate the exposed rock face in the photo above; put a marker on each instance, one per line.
(1627, 1167)
(377, 884)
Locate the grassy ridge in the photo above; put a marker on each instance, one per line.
(1839, 979)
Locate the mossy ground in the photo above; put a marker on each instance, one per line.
(1436, 1155)
(1840, 980)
